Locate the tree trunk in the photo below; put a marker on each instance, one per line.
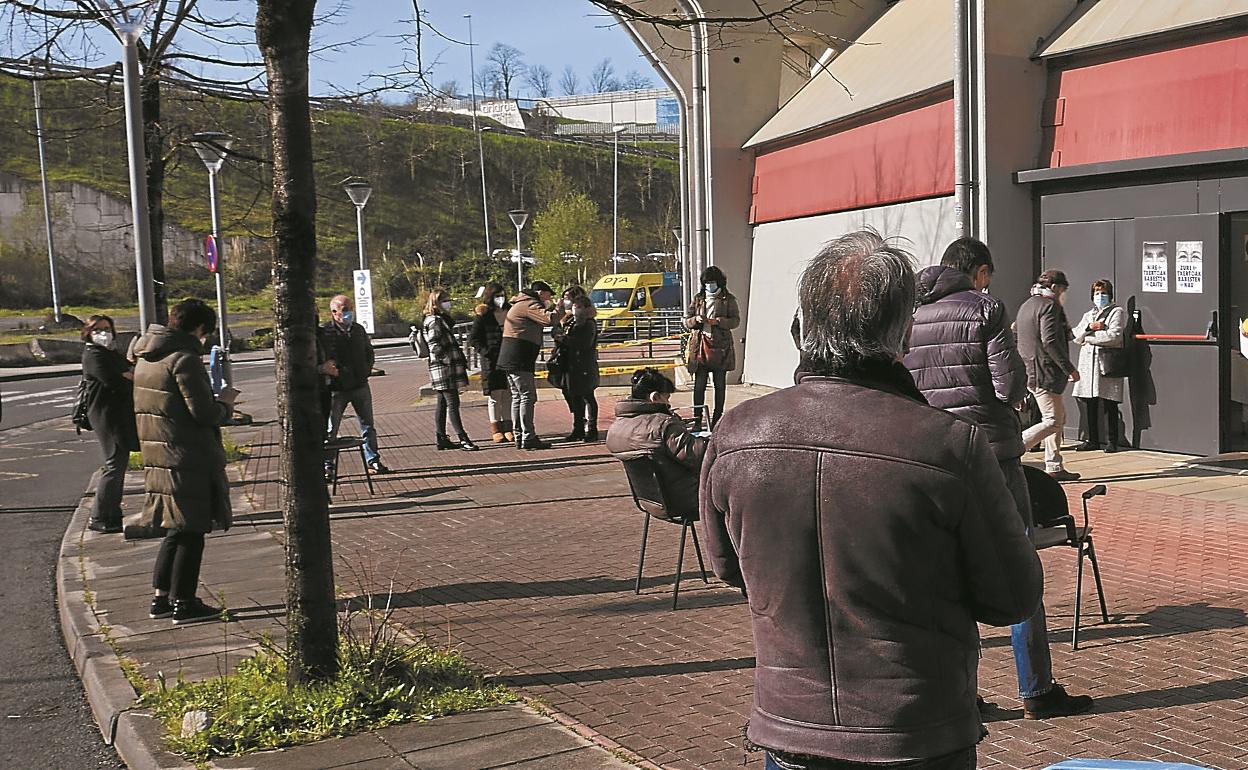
(283, 32)
(154, 145)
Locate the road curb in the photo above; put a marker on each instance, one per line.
(134, 734)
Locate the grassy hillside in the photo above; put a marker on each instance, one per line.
(426, 183)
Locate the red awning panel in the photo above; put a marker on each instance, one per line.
(900, 158)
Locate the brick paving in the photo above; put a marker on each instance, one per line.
(526, 562)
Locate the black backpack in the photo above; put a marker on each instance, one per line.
(88, 389)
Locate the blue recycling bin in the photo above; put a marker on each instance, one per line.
(1121, 764)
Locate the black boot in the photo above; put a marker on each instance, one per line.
(444, 442)
(535, 442)
(715, 419)
(1055, 703)
(466, 444)
(591, 434)
(578, 430)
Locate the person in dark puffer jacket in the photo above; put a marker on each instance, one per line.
(965, 360)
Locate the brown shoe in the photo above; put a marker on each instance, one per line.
(1056, 703)
(499, 437)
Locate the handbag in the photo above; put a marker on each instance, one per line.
(1029, 415)
(557, 367)
(88, 391)
(703, 353)
(1116, 362)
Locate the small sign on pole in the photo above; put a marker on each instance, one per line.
(364, 300)
(210, 253)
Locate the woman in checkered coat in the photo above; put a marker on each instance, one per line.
(448, 370)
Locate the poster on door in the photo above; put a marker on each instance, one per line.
(1156, 267)
(1189, 273)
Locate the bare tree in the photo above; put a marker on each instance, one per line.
(504, 64)
(569, 83)
(602, 78)
(283, 31)
(635, 81)
(538, 77)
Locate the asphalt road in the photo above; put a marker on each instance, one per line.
(44, 468)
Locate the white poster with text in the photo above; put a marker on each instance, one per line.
(1189, 273)
(364, 300)
(1156, 267)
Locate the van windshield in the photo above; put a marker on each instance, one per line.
(605, 299)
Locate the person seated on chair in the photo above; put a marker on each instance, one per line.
(646, 426)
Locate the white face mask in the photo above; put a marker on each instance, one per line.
(567, 303)
(446, 305)
(102, 338)
(498, 301)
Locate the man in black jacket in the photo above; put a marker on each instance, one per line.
(871, 537)
(349, 363)
(964, 359)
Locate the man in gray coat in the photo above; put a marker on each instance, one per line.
(1044, 337)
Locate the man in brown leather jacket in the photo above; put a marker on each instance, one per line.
(871, 537)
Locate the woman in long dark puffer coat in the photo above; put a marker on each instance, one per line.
(448, 370)
(111, 412)
(487, 337)
(578, 341)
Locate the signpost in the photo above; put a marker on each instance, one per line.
(364, 300)
(210, 253)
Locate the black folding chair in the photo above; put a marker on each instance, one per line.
(646, 484)
(1054, 526)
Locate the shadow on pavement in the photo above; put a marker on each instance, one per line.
(1157, 623)
(627, 672)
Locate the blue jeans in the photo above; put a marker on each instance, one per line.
(964, 759)
(361, 400)
(1030, 638)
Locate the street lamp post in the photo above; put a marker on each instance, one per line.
(47, 204)
(472, 82)
(358, 191)
(212, 146)
(127, 23)
(615, 215)
(518, 218)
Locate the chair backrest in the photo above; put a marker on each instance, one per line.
(1048, 499)
(646, 482)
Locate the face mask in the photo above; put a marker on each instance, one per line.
(567, 303)
(446, 306)
(1101, 300)
(711, 288)
(348, 317)
(498, 301)
(102, 338)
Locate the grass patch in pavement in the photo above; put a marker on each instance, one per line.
(253, 710)
(234, 452)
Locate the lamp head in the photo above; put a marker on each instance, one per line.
(358, 190)
(212, 147)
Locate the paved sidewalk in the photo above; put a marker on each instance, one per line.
(525, 561)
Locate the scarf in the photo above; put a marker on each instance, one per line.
(1043, 291)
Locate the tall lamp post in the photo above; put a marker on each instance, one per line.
(518, 218)
(472, 82)
(127, 23)
(47, 203)
(212, 146)
(358, 191)
(615, 215)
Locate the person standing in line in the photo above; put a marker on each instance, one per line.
(487, 337)
(1044, 337)
(870, 537)
(964, 360)
(448, 370)
(179, 423)
(1101, 327)
(349, 363)
(530, 314)
(710, 354)
(111, 413)
(577, 345)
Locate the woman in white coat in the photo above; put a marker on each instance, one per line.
(1100, 328)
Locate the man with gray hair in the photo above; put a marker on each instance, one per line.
(870, 536)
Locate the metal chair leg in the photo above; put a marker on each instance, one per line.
(680, 564)
(367, 476)
(1074, 637)
(693, 529)
(1096, 575)
(641, 560)
(335, 472)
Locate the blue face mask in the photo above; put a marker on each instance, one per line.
(348, 317)
(712, 287)
(1101, 300)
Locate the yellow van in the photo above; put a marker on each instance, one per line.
(620, 295)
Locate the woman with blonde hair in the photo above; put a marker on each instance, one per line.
(448, 369)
